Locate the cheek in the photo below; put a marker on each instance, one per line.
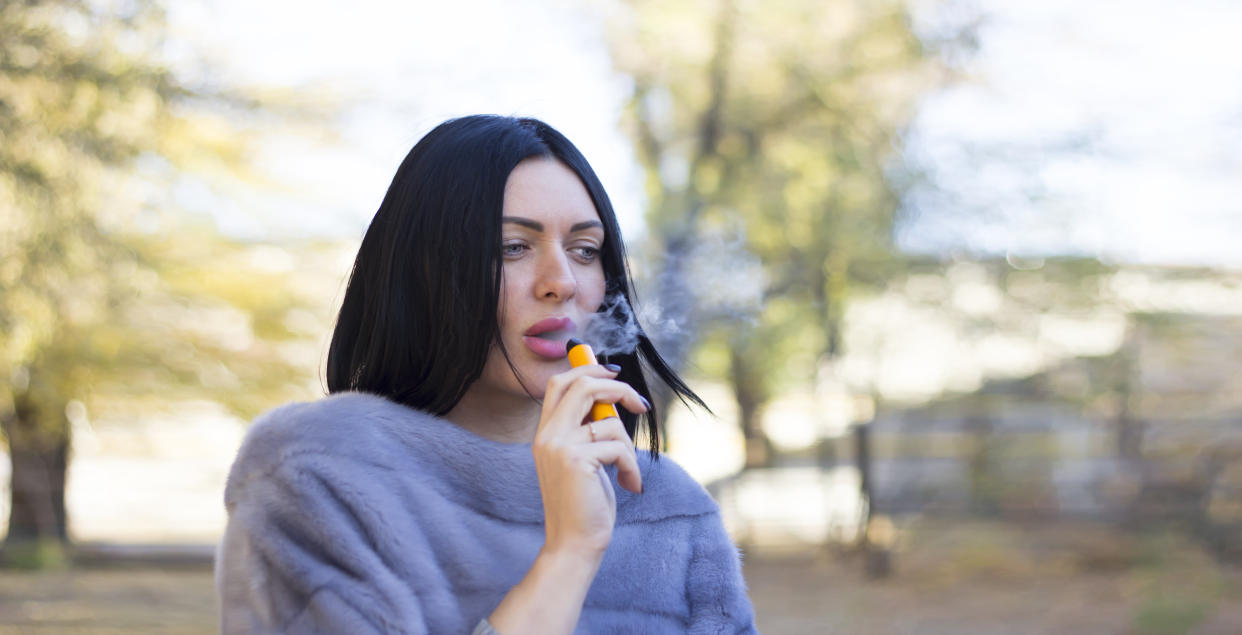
(501, 304)
(504, 301)
(591, 289)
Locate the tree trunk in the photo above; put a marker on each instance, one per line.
(750, 396)
(834, 288)
(38, 438)
(1129, 426)
(982, 469)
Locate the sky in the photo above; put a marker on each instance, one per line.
(400, 69)
(1104, 128)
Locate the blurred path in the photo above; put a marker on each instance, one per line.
(967, 578)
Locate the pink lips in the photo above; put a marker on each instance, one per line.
(550, 347)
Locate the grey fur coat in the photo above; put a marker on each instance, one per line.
(354, 514)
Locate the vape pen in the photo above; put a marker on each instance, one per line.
(580, 354)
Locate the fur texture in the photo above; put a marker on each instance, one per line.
(354, 514)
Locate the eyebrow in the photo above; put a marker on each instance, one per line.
(538, 226)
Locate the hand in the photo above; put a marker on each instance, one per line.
(578, 502)
(579, 505)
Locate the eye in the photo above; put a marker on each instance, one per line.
(512, 250)
(585, 253)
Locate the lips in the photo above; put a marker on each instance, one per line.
(547, 337)
(549, 325)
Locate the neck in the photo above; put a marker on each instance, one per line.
(502, 418)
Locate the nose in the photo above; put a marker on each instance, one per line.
(555, 279)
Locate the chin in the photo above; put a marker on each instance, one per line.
(535, 376)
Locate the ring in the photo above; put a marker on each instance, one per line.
(591, 428)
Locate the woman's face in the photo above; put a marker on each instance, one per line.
(553, 279)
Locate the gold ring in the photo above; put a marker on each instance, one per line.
(591, 427)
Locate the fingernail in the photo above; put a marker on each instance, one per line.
(645, 402)
(613, 367)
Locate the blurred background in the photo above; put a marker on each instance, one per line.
(960, 280)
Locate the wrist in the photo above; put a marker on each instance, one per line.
(568, 565)
(549, 599)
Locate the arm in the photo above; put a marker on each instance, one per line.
(296, 558)
(714, 584)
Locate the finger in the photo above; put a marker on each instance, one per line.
(554, 392)
(571, 407)
(613, 430)
(610, 429)
(621, 454)
(594, 389)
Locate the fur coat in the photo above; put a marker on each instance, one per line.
(354, 514)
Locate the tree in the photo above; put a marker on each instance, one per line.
(781, 120)
(92, 309)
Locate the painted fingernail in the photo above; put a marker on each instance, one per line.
(646, 403)
(613, 367)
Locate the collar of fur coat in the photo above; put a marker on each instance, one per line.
(374, 442)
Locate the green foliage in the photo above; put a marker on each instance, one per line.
(779, 121)
(92, 305)
(106, 296)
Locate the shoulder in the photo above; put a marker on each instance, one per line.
(342, 430)
(345, 423)
(332, 419)
(668, 492)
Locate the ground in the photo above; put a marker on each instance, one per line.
(958, 578)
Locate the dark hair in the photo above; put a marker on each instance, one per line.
(419, 313)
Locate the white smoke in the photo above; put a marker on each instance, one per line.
(714, 280)
(613, 330)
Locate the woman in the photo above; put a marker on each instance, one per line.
(448, 483)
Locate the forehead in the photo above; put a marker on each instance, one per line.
(546, 190)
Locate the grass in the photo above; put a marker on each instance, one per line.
(1171, 615)
(106, 601)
